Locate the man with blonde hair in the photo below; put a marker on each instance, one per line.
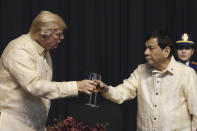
(26, 73)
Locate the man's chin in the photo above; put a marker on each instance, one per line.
(149, 63)
(54, 47)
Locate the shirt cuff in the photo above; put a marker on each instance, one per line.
(71, 88)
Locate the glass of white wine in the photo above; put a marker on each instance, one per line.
(94, 76)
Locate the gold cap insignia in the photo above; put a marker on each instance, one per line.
(185, 37)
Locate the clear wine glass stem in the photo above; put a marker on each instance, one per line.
(90, 99)
(95, 98)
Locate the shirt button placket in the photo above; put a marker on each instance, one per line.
(157, 91)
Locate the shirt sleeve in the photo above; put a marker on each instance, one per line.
(190, 91)
(124, 91)
(23, 67)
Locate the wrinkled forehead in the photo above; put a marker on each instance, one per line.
(151, 42)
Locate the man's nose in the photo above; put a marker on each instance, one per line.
(146, 52)
(183, 50)
(62, 36)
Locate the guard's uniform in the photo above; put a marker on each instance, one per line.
(193, 65)
(185, 42)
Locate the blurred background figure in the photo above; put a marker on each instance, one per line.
(185, 48)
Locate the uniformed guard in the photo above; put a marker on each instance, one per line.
(185, 48)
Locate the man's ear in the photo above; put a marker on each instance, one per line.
(42, 38)
(167, 51)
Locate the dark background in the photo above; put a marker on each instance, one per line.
(103, 36)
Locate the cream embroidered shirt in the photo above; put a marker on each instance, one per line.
(25, 84)
(166, 100)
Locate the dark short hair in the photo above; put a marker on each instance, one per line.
(163, 39)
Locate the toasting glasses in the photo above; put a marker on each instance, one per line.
(94, 76)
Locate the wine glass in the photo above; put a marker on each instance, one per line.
(94, 76)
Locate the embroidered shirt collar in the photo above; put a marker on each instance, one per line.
(41, 50)
(170, 68)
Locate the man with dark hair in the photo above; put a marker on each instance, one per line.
(165, 89)
(185, 50)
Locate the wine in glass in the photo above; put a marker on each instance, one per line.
(94, 76)
(97, 77)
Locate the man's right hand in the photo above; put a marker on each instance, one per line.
(86, 86)
(103, 87)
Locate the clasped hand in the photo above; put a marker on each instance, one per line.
(88, 86)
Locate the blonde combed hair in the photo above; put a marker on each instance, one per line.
(46, 23)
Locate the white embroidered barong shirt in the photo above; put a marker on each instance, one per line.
(26, 87)
(166, 100)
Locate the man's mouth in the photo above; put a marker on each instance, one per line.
(147, 57)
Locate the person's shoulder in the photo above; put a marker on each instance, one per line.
(180, 64)
(17, 42)
(21, 39)
(16, 45)
(194, 63)
(182, 68)
(144, 68)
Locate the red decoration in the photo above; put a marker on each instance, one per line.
(70, 124)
